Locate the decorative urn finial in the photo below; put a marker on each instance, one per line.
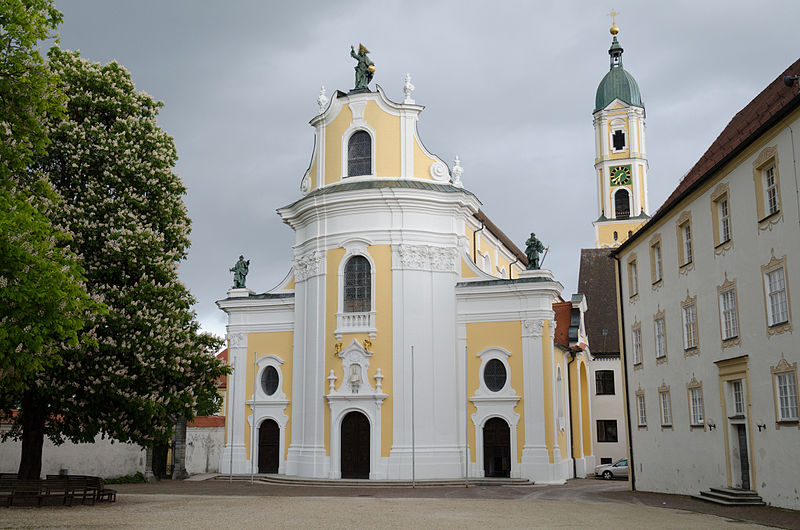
(408, 89)
(457, 172)
(322, 99)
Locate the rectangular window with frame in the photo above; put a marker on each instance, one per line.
(787, 396)
(689, 326)
(738, 398)
(633, 278)
(778, 305)
(724, 216)
(641, 413)
(636, 339)
(770, 191)
(604, 381)
(685, 241)
(659, 328)
(607, 431)
(729, 318)
(696, 406)
(658, 269)
(666, 408)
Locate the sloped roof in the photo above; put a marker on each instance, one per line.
(596, 280)
(764, 111)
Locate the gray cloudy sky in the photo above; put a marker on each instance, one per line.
(508, 86)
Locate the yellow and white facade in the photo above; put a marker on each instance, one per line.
(407, 338)
(620, 154)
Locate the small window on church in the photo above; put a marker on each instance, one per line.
(357, 285)
(622, 206)
(359, 154)
(616, 236)
(269, 380)
(618, 140)
(494, 375)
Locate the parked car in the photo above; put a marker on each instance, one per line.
(619, 469)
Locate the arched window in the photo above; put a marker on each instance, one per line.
(622, 206)
(359, 154)
(357, 285)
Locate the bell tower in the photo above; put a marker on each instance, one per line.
(620, 156)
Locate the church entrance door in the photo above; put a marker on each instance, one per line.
(268, 446)
(355, 446)
(496, 448)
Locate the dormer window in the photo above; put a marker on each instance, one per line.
(359, 154)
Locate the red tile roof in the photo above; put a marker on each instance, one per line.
(207, 421)
(766, 109)
(563, 311)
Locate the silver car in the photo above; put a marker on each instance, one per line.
(619, 469)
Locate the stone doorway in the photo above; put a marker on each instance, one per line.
(355, 446)
(496, 448)
(268, 446)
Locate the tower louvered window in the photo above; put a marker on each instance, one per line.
(357, 285)
(622, 207)
(359, 154)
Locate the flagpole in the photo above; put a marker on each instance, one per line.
(413, 437)
(232, 408)
(253, 422)
(466, 419)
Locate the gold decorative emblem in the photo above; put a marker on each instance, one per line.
(337, 348)
(367, 344)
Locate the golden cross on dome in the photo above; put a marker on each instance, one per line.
(614, 29)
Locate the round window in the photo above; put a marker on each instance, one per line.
(269, 380)
(494, 375)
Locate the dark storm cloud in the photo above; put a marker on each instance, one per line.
(508, 86)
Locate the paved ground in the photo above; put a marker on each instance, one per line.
(213, 504)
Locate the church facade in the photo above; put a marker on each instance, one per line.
(408, 338)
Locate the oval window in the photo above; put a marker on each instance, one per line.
(269, 380)
(494, 375)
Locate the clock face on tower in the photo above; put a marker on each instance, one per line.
(620, 175)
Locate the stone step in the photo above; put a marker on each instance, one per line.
(730, 497)
(288, 480)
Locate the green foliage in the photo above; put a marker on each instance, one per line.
(136, 478)
(42, 297)
(144, 362)
(27, 88)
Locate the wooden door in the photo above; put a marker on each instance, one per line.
(355, 446)
(496, 448)
(268, 446)
(744, 462)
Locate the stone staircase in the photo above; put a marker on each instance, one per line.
(288, 480)
(731, 497)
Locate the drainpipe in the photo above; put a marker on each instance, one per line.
(623, 350)
(474, 243)
(511, 265)
(569, 404)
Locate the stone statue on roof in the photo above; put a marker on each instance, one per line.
(240, 271)
(365, 68)
(532, 249)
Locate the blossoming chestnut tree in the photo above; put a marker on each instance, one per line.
(144, 362)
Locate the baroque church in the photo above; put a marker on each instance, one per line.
(411, 337)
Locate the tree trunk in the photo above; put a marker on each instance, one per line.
(33, 418)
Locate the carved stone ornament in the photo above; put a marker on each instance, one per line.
(309, 265)
(457, 172)
(237, 340)
(322, 99)
(355, 362)
(408, 89)
(534, 327)
(439, 171)
(425, 257)
(305, 185)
